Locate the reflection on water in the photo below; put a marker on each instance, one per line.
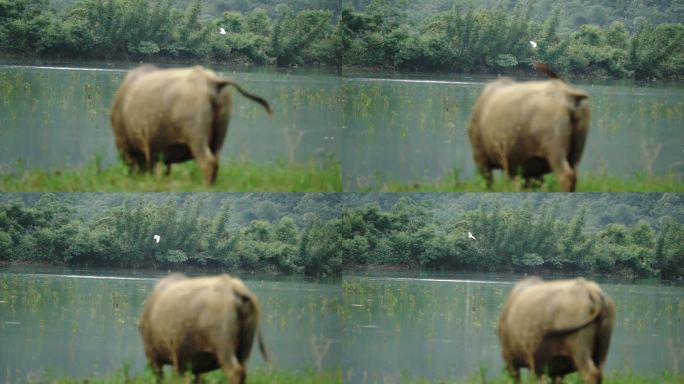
(86, 325)
(8, 67)
(414, 81)
(446, 328)
(57, 117)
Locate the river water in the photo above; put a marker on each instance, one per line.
(381, 126)
(413, 128)
(57, 116)
(440, 326)
(380, 327)
(84, 323)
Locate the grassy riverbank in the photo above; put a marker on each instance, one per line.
(589, 182)
(262, 376)
(244, 176)
(609, 378)
(233, 176)
(257, 376)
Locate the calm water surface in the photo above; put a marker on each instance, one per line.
(78, 324)
(409, 129)
(414, 129)
(440, 327)
(58, 116)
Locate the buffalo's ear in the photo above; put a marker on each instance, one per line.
(574, 307)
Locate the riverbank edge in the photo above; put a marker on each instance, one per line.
(156, 273)
(522, 70)
(264, 375)
(353, 271)
(233, 176)
(254, 376)
(591, 181)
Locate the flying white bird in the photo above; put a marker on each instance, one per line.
(470, 236)
(156, 238)
(532, 43)
(222, 31)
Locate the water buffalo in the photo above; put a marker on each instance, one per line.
(557, 327)
(531, 128)
(173, 115)
(201, 324)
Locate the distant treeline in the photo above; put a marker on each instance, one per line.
(383, 34)
(575, 13)
(530, 237)
(321, 234)
(191, 234)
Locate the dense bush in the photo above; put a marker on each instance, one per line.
(607, 39)
(521, 237)
(122, 235)
(319, 234)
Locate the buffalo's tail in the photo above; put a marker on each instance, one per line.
(579, 111)
(580, 115)
(262, 346)
(223, 82)
(605, 331)
(543, 68)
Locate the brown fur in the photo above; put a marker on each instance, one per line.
(557, 327)
(201, 324)
(175, 115)
(532, 127)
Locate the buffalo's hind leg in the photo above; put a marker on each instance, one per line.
(586, 367)
(208, 163)
(486, 172)
(557, 157)
(513, 371)
(156, 367)
(198, 378)
(232, 368)
(483, 166)
(566, 176)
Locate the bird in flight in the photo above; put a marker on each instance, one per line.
(156, 238)
(470, 236)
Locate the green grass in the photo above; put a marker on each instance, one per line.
(256, 376)
(233, 176)
(614, 377)
(587, 182)
(266, 376)
(244, 176)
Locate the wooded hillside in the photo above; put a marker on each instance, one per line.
(636, 234)
(619, 39)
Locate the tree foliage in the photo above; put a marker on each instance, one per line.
(562, 234)
(606, 38)
(122, 234)
(320, 234)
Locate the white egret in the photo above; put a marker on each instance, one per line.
(156, 238)
(470, 236)
(533, 44)
(222, 31)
